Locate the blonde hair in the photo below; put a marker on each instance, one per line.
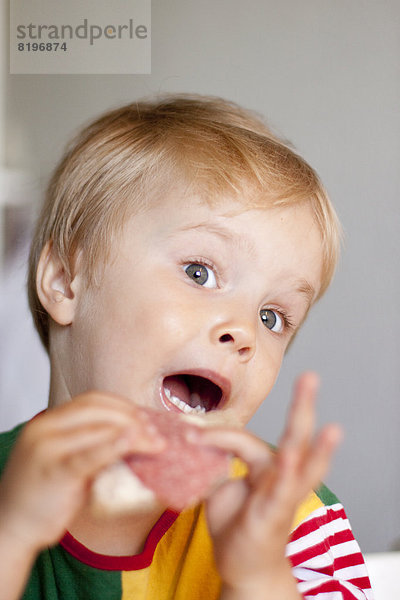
(128, 156)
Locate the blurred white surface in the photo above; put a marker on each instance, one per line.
(384, 572)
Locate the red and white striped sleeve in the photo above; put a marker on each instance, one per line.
(326, 558)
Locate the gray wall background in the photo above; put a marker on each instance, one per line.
(326, 76)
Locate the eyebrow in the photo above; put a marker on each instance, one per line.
(209, 227)
(305, 288)
(302, 285)
(223, 233)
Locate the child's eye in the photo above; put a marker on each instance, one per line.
(201, 274)
(272, 320)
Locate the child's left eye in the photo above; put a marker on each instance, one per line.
(201, 274)
(272, 320)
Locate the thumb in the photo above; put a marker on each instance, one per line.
(224, 504)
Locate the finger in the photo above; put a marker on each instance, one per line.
(253, 451)
(281, 489)
(275, 486)
(136, 438)
(320, 458)
(91, 407)
(301, 418)
(87, 463)
(223, 506)
(59, 451)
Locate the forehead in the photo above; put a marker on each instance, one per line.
(233, 221)
(284, 241)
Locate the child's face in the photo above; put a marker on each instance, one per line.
(197, 305)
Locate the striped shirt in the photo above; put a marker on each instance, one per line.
(326, 559)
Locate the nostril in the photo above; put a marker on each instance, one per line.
(226, 338)
(244, 350)
(236, 345)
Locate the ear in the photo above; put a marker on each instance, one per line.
(56, 292)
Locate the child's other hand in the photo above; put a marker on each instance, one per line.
(47, 478)
(250, 519)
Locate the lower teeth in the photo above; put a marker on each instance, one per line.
(186, 408)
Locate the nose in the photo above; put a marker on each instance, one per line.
(237, 337)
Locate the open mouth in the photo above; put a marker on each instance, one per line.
(191, 393)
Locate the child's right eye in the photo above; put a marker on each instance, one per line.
(201, 274)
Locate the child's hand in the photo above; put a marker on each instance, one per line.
(250, 519)
(47, 478)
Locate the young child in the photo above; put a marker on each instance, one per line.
(178, 238)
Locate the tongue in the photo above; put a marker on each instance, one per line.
(177, 386)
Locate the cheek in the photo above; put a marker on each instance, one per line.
(154, 321)
(261, 382)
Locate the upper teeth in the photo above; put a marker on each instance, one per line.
(186, 408)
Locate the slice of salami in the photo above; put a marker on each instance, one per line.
(184, 472)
